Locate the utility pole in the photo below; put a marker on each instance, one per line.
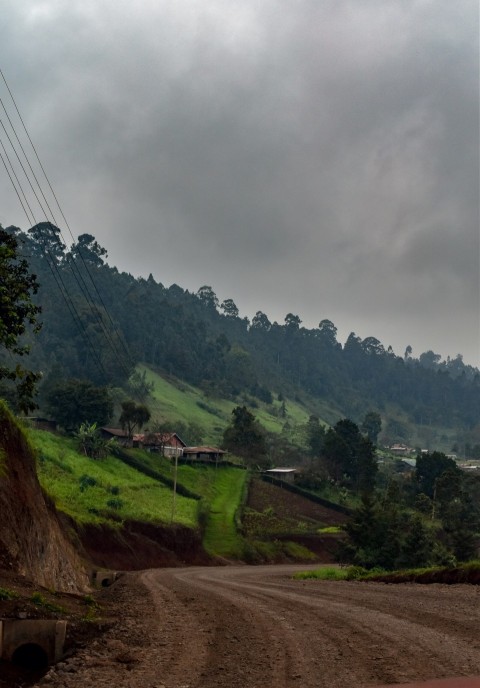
(174, 486)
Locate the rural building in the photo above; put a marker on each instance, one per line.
(115, 434)
(203, 453)
(165, 443)
(287, 475)
(400, 449)
(42, 423)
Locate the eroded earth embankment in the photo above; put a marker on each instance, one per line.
(32, 540)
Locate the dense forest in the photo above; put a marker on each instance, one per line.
(98, 323)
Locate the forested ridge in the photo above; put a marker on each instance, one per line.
(98, 323)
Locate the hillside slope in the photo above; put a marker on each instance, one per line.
(32, 541)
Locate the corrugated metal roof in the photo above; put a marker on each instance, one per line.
(158, 437)
(203, 450)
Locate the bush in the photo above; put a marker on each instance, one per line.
(115, 503)
(86, 481)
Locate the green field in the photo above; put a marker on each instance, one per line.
(221, 490)
(106, 490)
(178, 401)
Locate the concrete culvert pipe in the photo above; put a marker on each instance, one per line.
(30, 656)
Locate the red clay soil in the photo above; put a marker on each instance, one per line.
(254, 627)
(263, 495)
(139, 545)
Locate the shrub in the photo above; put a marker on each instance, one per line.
(115, 503)
(86, 481)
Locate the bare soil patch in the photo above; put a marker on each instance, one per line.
(287, 505)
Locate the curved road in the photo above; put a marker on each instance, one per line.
(253, 627)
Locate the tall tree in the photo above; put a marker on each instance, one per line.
(46, 243)
(88, 249)
(315, 436)
(208, 297)
(17, 312)
(133, 417)
(244, 436)
(229, 308)
(73, 402)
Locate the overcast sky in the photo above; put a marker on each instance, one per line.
(319, 157)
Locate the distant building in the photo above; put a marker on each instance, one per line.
(287, 475)
(400, 449)
(115, 434)
(42, 423)
(203, 453)
(165, 443)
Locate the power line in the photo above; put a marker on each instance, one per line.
(71, 258)
(77, 275)
(62, 214)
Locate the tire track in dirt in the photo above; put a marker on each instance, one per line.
(254, 627)
(333, 634)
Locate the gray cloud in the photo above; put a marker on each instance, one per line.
(320, 158)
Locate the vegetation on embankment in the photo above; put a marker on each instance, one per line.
(108, 492)
(105, 491)
(221, 535)
(221, 490)
(463, 573)
(108, 496)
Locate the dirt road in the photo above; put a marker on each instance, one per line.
(253, 627)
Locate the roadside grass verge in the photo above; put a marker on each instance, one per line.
(463, 573)
(103, 491)
(269, 551)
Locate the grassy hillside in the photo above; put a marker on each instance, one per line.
(175, 400)
(221, 490)
(106, 490)
(178, 401)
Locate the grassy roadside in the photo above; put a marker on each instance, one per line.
(463, 573)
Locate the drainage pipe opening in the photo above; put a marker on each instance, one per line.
(30, 656)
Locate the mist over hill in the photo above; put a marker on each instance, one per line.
(99, 323)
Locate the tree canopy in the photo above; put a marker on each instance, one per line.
(73, 402)
(244, 436)
(17, 313)
(133, 417)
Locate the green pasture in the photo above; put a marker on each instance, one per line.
(221, 490)
(178, 401)
(103, 490)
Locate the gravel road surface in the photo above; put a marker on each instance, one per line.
(254, 627)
